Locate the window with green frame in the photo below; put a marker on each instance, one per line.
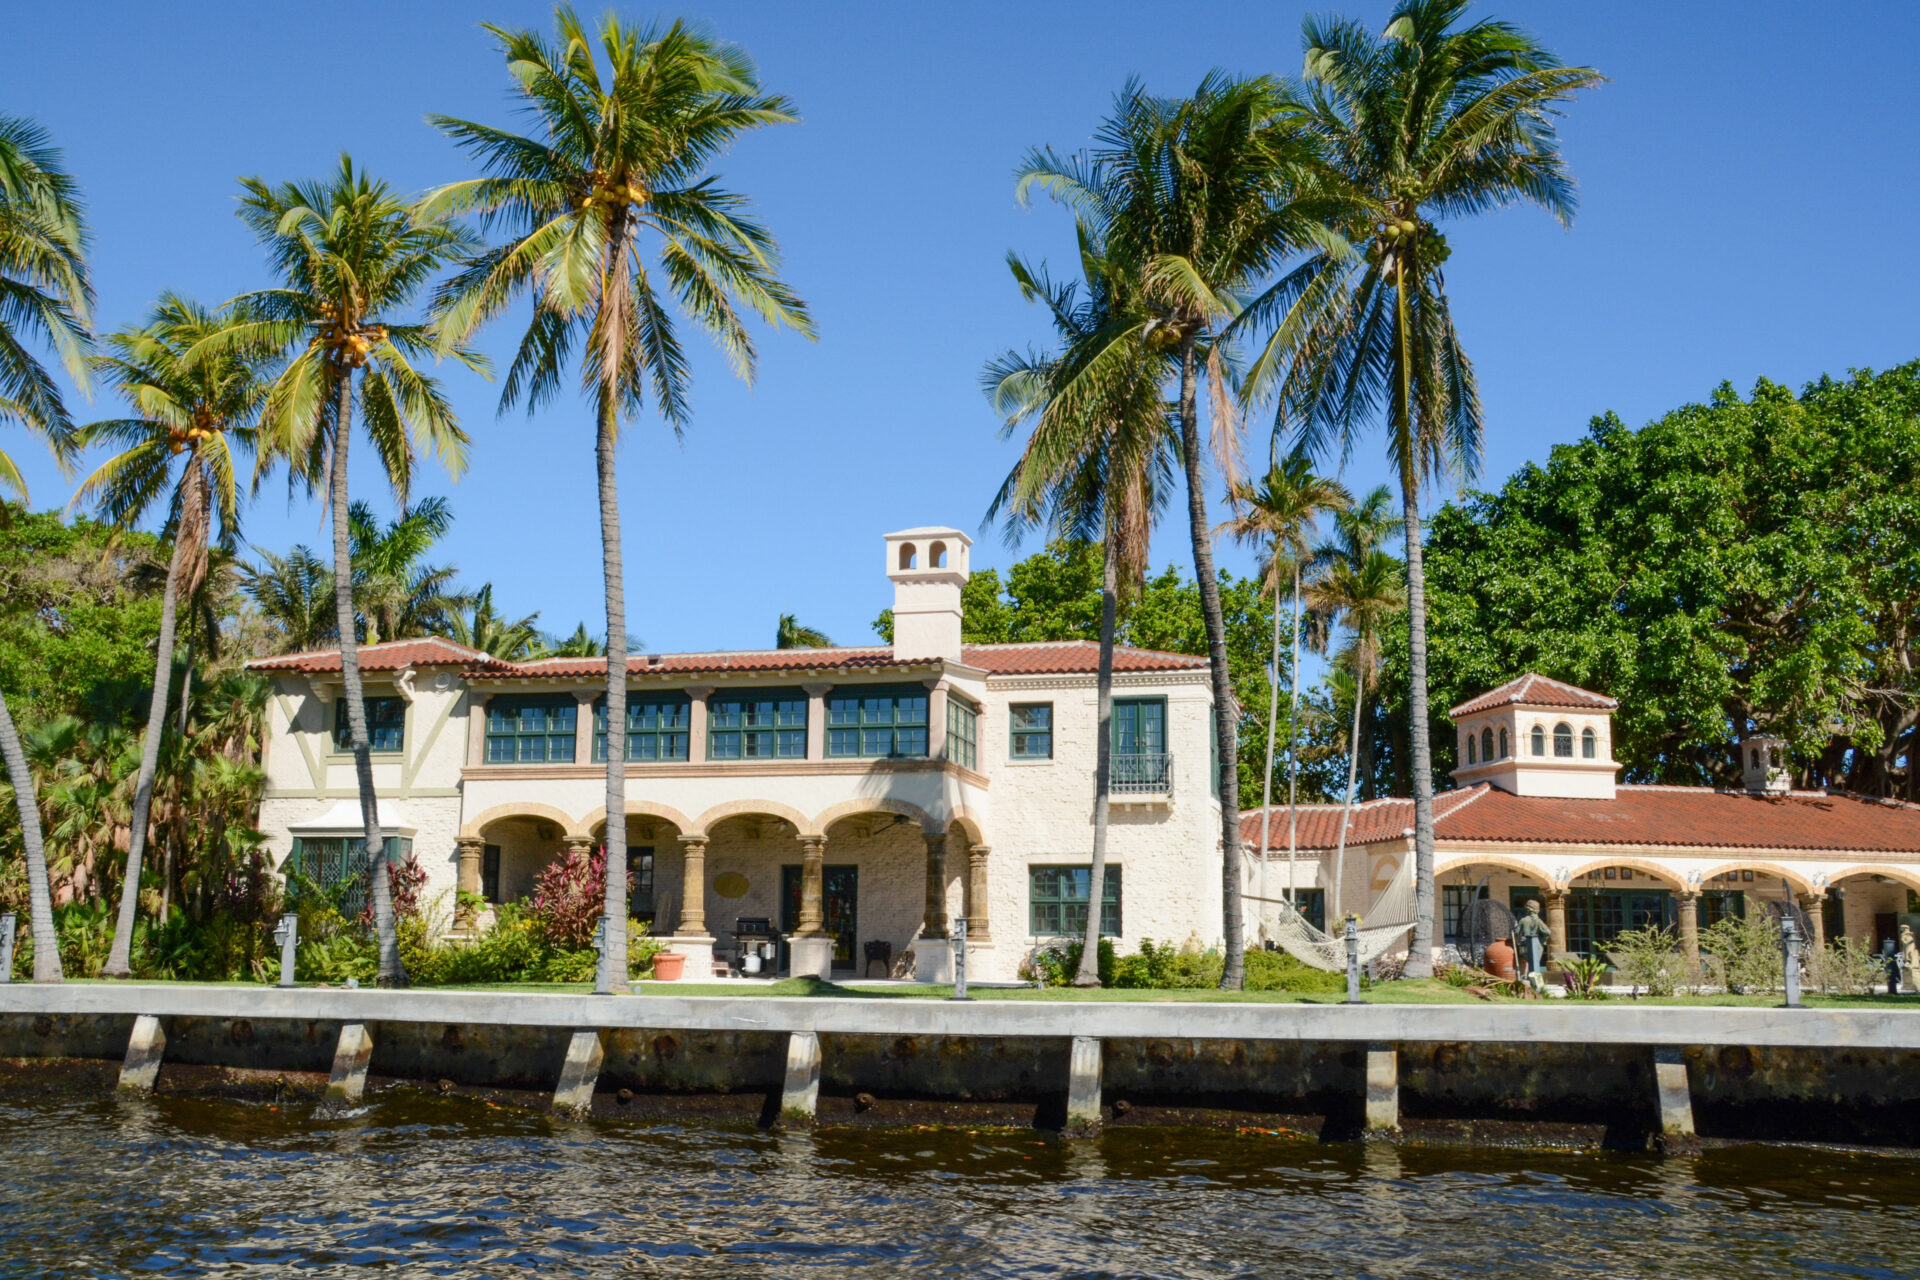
(333, 869)
(386, 724)
(877, 722)
(963, 733)
(757, 725)
(1057, 901)
(531, 729)
(1140, 761)
(1032, 728)
(659, 726)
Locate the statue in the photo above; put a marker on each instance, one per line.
(1909, 959)
(1535, 936)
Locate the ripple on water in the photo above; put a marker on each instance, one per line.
(440, 1187)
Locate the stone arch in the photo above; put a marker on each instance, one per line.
(849, 808)
(1800, 883)
(908, 557)
(1665, 875)
(969, 822)
(641, 809)
(1907, 876)
(740, 808)
(937, 556)
(1506, 861)
(473, 828)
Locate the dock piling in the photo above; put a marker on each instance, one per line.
(145, 1047)
(800, 1095)
(1084, 1065)
(579, 1073)
(1383, 1089)
(1671, 1093)
(348, 1082)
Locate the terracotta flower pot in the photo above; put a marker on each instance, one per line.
(1499, 960)
(668, 967)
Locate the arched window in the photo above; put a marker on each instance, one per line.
(1754, 755)
(1503, 744)
(907, 556)
(1486, 743)
(1563, 741)
(1470, 759)
(1539, 741)
(937, 556)
(1587, 744)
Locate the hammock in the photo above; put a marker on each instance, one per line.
(1298, 936)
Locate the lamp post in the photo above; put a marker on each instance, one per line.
(287, 934)
(1353, 960)
(959, 931)
(1790, 951)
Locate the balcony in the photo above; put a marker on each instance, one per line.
(1136, 776)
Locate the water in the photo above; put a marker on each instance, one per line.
(429, 1186)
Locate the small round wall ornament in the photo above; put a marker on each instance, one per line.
(731, 884)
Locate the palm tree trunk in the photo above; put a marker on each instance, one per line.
(46, 947)
(1266, 777)
(612, 974)
(1293, 757)
(392, 972)
(1346, 812)
(1089, 975)
(1233, 976)
(1420, 946)
(192, 493)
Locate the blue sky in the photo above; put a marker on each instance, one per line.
(1743, 178)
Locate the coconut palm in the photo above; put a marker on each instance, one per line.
(1364, 594)
(1094, 465)
(791, 635)
(294, 592)
(397, 596)
(1431, 119)
(581, 644)
(351, 256)
(189, 419)
(1277, 515)
(486, 629)
(45, 297)
(1203, 199)
(611, 220)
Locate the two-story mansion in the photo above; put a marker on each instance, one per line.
(882, 791)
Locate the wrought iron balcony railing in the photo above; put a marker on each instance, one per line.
(1142, 773)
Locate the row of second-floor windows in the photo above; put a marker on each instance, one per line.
(1537, 741)
(745, 726)
(1139, 728)
(386, 725)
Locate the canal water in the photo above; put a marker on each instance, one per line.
(425, 1186)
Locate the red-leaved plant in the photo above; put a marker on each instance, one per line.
(570, 896)
(404, 882)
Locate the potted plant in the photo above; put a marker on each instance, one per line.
(669, 966)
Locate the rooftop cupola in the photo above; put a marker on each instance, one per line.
(1538, 737)
(1763, 766)
(928, 567)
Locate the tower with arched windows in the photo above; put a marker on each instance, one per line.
(1538, 737)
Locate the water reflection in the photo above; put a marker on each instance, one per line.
(448, 1187)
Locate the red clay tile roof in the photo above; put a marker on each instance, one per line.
(394, 655)
(1679, 817)
(1534, 690)
(1046, 658)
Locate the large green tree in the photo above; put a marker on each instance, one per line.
(1434, 118)
(352, 257)
(1748, 564)
(612, 220)
(45, 298)
(187, 420)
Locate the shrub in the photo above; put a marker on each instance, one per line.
(569, 898)
(1281, 971)
(1056, 964)
(1583, 977)
(1744, 955)
(1651, 959)
(405, 880)
(1845, 967)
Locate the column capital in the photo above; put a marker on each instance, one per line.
(1690, 893)
(578, 842)
(813, 844)
(467, 844)
(816, 688)
(1808, 899)
(694, 842)
(1555, 894)
(698, 691)
(978, 852)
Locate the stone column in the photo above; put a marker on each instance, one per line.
(813, 916)
(471, 849)
(977, 913)
(937, 719)
(935, 925)
(582, 845)
(1688, 900)
(1556, 923)
(697, 725)
(693, 889)
(1814, 904)
(816, 718)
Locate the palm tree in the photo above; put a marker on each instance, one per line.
(351, 256)
(1277, 515)
(1199, 198)
(1099, 460)
(294, 592)
(581, 644)
(619, 166)
(44, 295)
(1363, 592)
(791, 635)
(399, 597)
(487, 630)
(198, 413)
(1429, 120)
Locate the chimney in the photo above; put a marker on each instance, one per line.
(928, 567)
(1763, 766)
